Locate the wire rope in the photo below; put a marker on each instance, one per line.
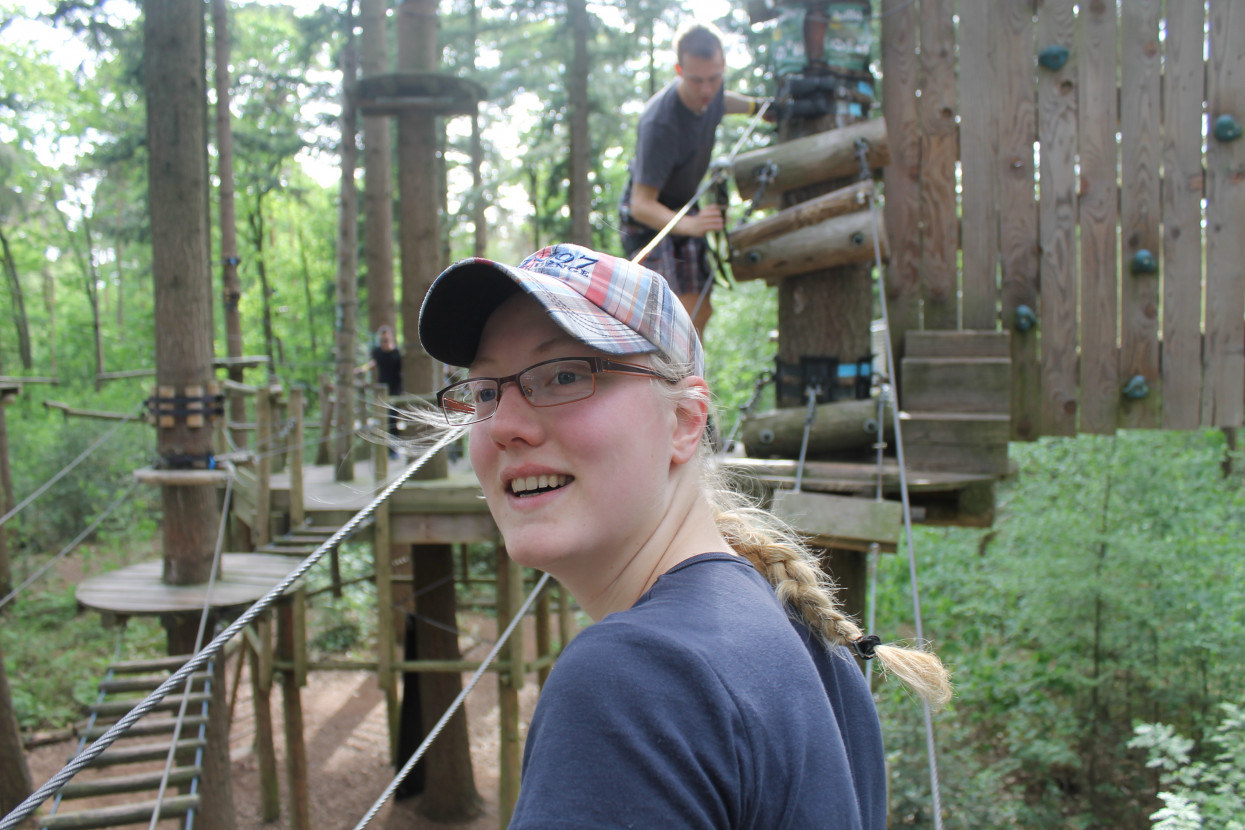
(65, 470)
(200, 659)
(69, 548)
(458, 701)
(887, 392)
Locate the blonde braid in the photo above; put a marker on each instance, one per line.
(804, 588)
(776, 551)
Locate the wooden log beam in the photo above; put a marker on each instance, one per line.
(843, 240)
(813, 212)
(814, 158)
(837, 426)
(86, 413)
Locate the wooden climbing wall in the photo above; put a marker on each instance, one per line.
(1066, 171)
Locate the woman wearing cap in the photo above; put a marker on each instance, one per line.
(717, 688)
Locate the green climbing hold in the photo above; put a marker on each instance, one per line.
(1053, 57)
(1144, 263)
(1025, 318)
(1136, 388)
(1227, 129)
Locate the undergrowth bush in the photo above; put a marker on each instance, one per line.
(1110, 590)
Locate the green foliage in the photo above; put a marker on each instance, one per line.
(1208, 792)
(1110, 589)
(55, 655)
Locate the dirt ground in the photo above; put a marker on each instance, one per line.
(346, 736)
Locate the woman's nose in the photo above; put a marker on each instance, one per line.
(514, 417)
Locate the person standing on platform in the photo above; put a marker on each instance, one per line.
(387, 361)
(674, 145)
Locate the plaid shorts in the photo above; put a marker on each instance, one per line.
(682, 260)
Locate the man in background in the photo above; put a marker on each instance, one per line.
(674, 145)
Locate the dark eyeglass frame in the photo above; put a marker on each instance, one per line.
(452, 409)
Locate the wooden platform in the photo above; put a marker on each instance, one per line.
(139, 590)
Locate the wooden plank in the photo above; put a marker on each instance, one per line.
(959, 344)
(121, 814)
(979, 221)
(902, 176)
(956, 385)
(1224, 388)
(939, 227)
(967, 443)
(1100, 386)
(1057, 220)
(1140, 126)
(1182, 186)
(133, 783)
(1015, 108)
(840, 521)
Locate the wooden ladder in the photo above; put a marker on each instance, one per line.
(134, 763)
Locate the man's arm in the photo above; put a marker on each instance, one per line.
(737, 104)
(646, 210)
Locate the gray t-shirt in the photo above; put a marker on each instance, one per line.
(674, 146)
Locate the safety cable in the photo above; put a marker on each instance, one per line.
(82, 457)
(719, 175)
(458, 701)
(888, 394)
(200, 658)
(69, 548)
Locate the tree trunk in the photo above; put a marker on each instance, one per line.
(49, 305)
(348, 213)
(478, 202)
(7, 502)
(581, 140)
(231, 286)
(15, 784)
(311, 309)
(19, 304)
(378, 187)
(173, 41)
(256, 220)
(90, 280)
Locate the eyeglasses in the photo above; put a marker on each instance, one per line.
(549, 383)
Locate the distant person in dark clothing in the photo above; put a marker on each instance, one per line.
(674, 143)
(387, 361)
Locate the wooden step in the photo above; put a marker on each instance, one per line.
(289, 550)
(117, 708)
(956, 441)
(303, 539)
(967, 343)
(133, 754)
(841, 521)
(150, 726)
(145, 683)
(147, 666)
(956, 384)
(173, 807)
(136, 783)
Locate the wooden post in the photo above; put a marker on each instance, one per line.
(382, 555)
(294, 449)
(509, 682)
(543, 645)
(261, 692)
(324, 447)
(261, 533)
(288, 636)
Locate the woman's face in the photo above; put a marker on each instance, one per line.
(575, 489)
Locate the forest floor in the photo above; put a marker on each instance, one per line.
(346, 736)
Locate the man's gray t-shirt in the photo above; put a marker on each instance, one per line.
(674, 146)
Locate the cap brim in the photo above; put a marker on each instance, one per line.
(464, 297)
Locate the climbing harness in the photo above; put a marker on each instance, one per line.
(862, 150)
(201, 657)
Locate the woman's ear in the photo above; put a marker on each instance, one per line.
(691, 416)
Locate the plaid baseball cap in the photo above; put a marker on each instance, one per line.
(602, 301)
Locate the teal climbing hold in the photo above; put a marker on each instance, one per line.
(1136, 388)
(1053, 57)
(1227, 129)
(1144, 263)
(1025, 318)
